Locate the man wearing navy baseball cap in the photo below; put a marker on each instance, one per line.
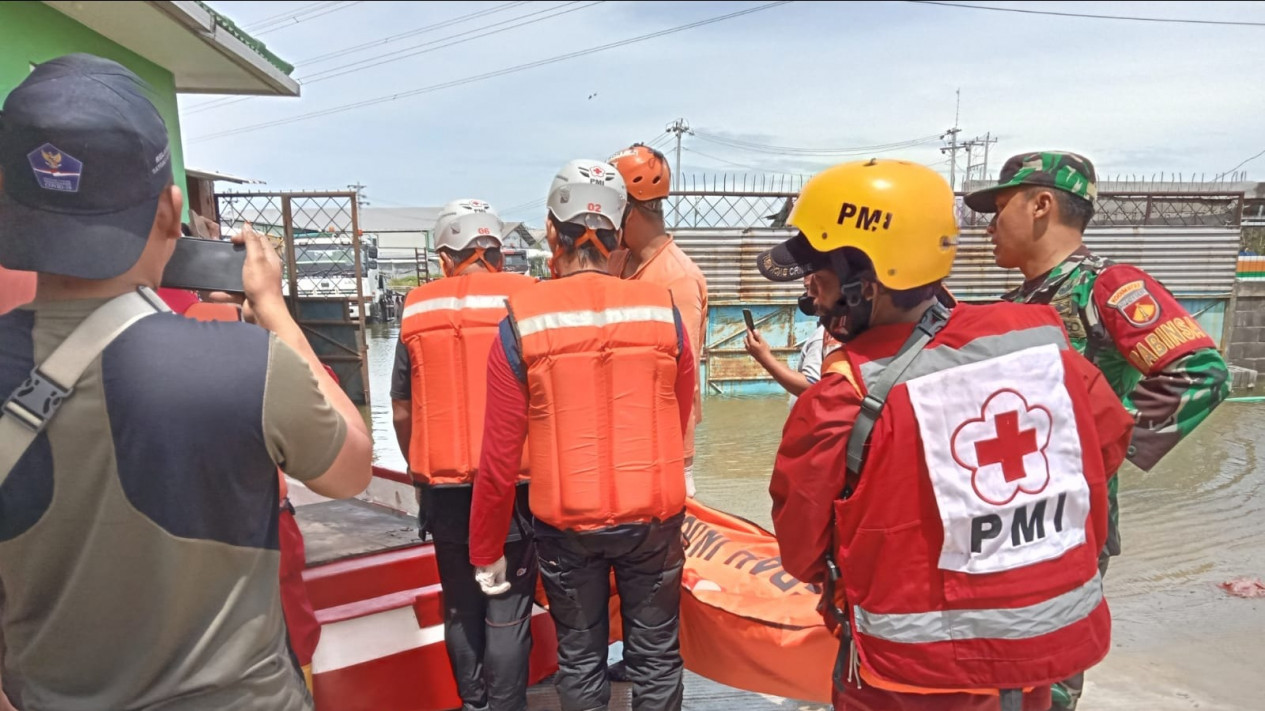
(87, 167)
(138, 449)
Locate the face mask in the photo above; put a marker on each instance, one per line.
(807, 306)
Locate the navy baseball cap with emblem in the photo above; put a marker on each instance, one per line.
(85, 159)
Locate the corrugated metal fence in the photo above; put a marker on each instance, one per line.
(1190, 261)
(1189, 242)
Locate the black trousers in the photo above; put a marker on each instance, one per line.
(488, 638)
(647, 560)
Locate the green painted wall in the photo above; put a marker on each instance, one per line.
(32, 32)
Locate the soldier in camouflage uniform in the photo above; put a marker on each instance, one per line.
(1156, 357)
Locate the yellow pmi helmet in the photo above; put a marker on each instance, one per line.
(900, 214)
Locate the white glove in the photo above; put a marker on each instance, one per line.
(492, 578)
(689, 481)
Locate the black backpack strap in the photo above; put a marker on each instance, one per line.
(933, 319)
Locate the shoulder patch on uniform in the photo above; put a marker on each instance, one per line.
(1137, 304)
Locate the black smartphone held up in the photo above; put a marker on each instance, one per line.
(204, 264)
(746, 316)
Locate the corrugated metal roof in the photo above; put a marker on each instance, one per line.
(1190, 261)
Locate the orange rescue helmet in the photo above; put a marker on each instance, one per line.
(645, 172)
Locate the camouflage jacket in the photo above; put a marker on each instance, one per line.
(1165, 368)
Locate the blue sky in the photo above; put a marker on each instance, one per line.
(1136, 97)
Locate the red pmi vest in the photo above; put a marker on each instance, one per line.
(969, 548)
(604, 424)
(448, 327)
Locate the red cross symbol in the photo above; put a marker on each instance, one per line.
(998, 447)
(1009, 447)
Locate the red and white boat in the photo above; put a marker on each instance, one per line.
(375, 589)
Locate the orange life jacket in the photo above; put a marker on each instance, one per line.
(207, 311)
(600, 355)
(448, 328)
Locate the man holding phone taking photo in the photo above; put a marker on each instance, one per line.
(138, 487)
(796, 380)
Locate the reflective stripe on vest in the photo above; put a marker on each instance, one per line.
(455, 303)
(1011, 623)
(448, 328)
(601, 357)
(598, 319)
(940, 358)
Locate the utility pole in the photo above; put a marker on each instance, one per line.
(988, 140)
(953, 147)
(680, 127)
(976, 171)
(361, 200)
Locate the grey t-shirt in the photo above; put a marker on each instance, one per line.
(810, 357)
(138, 534)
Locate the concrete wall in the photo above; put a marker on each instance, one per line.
(35, 33)
(1247, 337)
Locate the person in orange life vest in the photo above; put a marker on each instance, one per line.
(947, 484)
(437, 395)
(648, 253)
(599, 374)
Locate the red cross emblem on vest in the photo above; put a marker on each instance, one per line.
(1004, 448)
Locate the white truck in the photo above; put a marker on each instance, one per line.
(326, 267)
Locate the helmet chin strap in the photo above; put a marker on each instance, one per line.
(851, 314)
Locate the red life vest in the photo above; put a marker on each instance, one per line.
(448, 327)
(604, 425)
(969, 547)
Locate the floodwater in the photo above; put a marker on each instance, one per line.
(1196, 520)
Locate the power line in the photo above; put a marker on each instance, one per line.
(534, 204)
(407, 52)
(722, 160)
(295, 20)
(1173, 20)
(1240, 165)
(283, 16)
(810, 152)
(766, 148)
(660, 140)
(489, 75)
(413, 32)
(344, 6)
(414, 50)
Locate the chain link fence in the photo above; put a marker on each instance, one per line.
(765, 201)
(322, 251)
(329, 277)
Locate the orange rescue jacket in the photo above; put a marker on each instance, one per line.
(604, 425)
(448, 328)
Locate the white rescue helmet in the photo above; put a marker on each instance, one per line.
(468, 223)
(589, 192)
